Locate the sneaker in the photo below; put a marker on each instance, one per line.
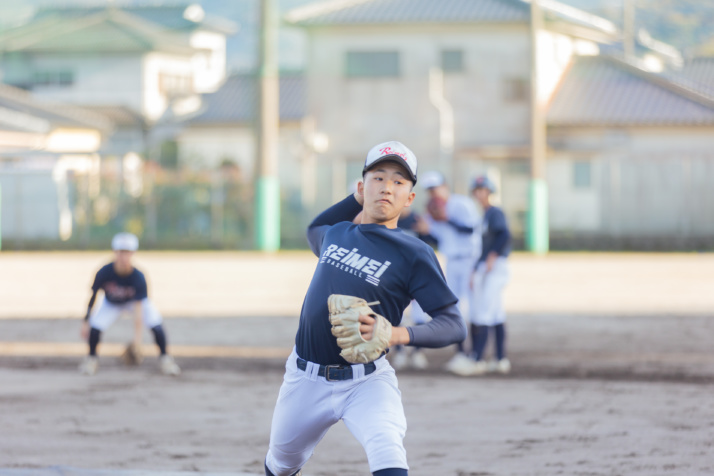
(89, 365)
(503, 366)
(464, 366)
(419, 360)
(168, 366)
(492, 366)
(400, 360)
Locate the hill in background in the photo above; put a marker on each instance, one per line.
(681, 23)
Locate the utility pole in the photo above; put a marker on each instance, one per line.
(267, 184)
(446, 121)
(628, 29)
(537, 238)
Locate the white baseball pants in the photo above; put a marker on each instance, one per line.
(488, 294)
(458, 277)
(107, 313)
(308, 405)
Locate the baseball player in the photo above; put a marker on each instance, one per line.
(361, 254)
(489, 279)
(125, 290)
(453, 220)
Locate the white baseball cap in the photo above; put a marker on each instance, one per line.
(125, 241)
(432, 179)
(394, 151)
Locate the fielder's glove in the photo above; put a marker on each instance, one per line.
(344, 317)
(132, 354)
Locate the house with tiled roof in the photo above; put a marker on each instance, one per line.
(141, 58)
(631, 157)
(125, 65)
(222, 129)
(619, 132)
(449, 78)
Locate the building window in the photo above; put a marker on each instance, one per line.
(516, 89)
(65, 78)
(582, 174)
(452, 61)
(372, 64)
(52, 78)
(174, 84)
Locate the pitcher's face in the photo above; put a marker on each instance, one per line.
(387, 190)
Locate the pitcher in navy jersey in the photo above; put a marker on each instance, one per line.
(361, 252)
(125, 290)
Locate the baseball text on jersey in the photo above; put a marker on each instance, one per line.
(354, 263)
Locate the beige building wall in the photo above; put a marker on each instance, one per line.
(356, 113)
(489, 99)
(648, 181)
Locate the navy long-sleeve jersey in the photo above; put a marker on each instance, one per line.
(375, 263)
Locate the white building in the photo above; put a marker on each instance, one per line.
(448, 78)
(627, 150)
(631, 159)
(141, 58)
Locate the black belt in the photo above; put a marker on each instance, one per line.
(336, 371)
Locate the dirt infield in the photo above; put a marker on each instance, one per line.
(613, 372)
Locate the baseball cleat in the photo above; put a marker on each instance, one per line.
(503, 366)
(464, 366)
(89, 365)
(168, 366)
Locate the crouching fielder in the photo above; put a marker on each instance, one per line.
(125, 290)
(367, 273)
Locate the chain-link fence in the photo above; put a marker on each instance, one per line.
(166, 208)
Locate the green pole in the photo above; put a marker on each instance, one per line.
(267, 193)
(537, 240)
(268, 212)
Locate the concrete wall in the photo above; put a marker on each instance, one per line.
(357, 113)
(652, 181)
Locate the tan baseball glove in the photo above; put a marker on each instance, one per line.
(132, 354)
(344, 317)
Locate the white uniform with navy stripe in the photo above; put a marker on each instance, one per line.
(460, 243)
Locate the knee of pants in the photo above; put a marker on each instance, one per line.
(284, 464)
(152, 316)
(386, 450)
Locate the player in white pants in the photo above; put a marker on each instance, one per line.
(125, 291)
(489, 315)
(452, 220)
(489, 279)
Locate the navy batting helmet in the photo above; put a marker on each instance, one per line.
(483, 182)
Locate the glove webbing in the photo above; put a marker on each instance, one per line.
(374, 303)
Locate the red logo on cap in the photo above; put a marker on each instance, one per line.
(389, 151)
